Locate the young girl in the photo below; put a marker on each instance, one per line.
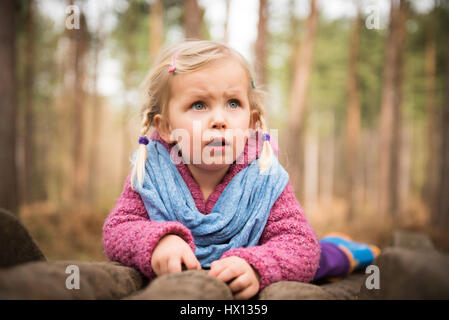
(206, 190)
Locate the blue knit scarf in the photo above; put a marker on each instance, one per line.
(238, 217)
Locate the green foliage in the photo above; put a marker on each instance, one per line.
(44, 84)
(131, 42)
(328, 82)
(371, 68)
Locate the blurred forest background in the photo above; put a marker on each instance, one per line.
(359, 91)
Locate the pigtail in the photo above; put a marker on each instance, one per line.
(142, 153)
(266, 156)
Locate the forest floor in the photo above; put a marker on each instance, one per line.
(78, 235)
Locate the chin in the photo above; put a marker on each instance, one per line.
(213, 166)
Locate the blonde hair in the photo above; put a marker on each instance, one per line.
(191, 55)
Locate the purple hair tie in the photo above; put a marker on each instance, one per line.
(143, 140)
(266, 137)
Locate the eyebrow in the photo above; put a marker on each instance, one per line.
(206, 93)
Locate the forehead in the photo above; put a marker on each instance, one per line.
(221, 75)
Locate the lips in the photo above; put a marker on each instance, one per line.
(218, 142)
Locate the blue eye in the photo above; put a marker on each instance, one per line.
(197, 105)
(233, 104)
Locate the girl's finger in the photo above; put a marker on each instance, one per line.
(216, 267)
(156, 268)
(190, 261)
(245, 294)
(174, 265)
(240, 283)
(228, 274)
(163, 267)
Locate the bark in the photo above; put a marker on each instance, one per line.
(370, 153)
(130, 67)
(298, 99)
(193, 16)
(397, 129)
(9, 197)
(293, 40)
(311, 172)
(29, 161)
(440, 217)
(327, 171)
(261, 44)
(80, 46)
(431, 165)
(405, 168)
(96, 105)
(156, 28)
(390, 121)
(353, 120)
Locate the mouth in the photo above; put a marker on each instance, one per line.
(218, 142)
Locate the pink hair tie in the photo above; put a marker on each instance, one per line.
(173, 65)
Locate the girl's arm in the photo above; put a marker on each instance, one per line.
(129, 236)
(288, 249)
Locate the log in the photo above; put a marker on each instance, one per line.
(408, 274)
(186, 285)
(47, 280)
(17, 245)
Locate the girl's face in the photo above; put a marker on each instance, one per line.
(205, 104)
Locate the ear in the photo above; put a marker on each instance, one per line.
(254, 117)
(163, 127)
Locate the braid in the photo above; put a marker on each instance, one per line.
(146, 122)
(266, 156)
(139, 166)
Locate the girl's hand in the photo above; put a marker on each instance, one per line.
(170, 253)
(246, 281)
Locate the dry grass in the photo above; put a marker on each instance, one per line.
(370, 226)
(66, 235)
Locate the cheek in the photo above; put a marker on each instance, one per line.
(191, 140)
(239, 145)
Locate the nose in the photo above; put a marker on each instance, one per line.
(218, 120)
(218, 125)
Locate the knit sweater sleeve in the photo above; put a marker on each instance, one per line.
(288, 249)
(129, 236)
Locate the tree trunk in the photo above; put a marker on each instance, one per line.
(303, 64)
(431, 165)
(8, 108)
(311, 172)
(193, 17)
(293, 41)
(327, 169)
(397, 129)
(405, 168)
(261, 44)
(28, 145)
(125, 167)
(129, 68)
(353, 121)
(96, 124)
(440, 217)
(226, 23)
(370, 154)
(390, 121)
(79, 41)
(156, 28)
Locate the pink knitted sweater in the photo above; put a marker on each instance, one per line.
(288, 249)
